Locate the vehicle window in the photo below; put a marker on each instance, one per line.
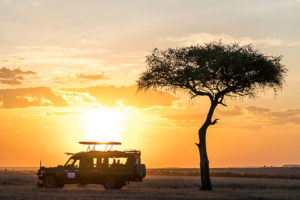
(130, 161)
(100, 161)
(111, 161)
(70, 162)
(117, 162)
(103, 163)
(95, 162)
(121, 161)
(86, 162)
(76, 163)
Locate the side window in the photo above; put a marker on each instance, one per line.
(99, 161)
(104, 163)
(95, 162)
(117, 162)
(121, 161)
(86, 162)
(111, 162)
(130, 161)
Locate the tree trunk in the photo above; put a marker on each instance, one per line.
(204, 163)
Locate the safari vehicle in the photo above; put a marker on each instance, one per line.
(112, 169)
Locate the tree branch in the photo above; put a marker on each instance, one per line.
(221, 100)
(197, 92)
(214, 122)
(223, 104)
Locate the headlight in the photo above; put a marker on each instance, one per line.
(41, 172)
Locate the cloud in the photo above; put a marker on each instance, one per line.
(14, 76)
(126, 95)
(36, 4)
(293, 44)
(248, 118)
(62, 113)
(91, 76)
(235, 111)
(82, 78)
(290, 116)
(264, 115)
(78, 98)
(202, 38)
(92, 96)
(184, 117)
(199, 115)
(258, 110)
(61, 52)
(27, 97)
(61, 57)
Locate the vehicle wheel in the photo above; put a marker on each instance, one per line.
(140, 170)
(40, 185)
(50, 182)
(120, 184)
(61, 185)
(110, 183)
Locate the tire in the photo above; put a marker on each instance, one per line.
(140, 170)
(110, 183)
(40, 185)
(50, 182)
(120, 185)
(61, 185)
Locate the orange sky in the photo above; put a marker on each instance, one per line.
(68, 73)
(162, 126)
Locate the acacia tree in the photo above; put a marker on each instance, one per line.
(215, 70)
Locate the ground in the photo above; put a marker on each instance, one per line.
(22, 185)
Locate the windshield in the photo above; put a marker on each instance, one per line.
(70, 162)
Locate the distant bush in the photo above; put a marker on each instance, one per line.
(196, 172)
(17, 179)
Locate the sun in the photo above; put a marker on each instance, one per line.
(103, 124)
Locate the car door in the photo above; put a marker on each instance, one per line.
(71, 172)
(88, 170)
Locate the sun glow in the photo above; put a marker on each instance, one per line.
(104, 124)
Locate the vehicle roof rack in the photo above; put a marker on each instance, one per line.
(92, 145)
(132, 151)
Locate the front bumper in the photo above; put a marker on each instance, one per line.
(40, 183)
(40, 175)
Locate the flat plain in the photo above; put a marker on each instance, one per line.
(20, 185)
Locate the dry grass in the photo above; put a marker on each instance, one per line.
(22, 185)
(257, 172)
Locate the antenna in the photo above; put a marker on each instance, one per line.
(43, 147)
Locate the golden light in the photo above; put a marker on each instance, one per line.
(103, 124)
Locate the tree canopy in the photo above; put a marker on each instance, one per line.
(214, 70)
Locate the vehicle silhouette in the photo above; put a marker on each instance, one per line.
(112, 169)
